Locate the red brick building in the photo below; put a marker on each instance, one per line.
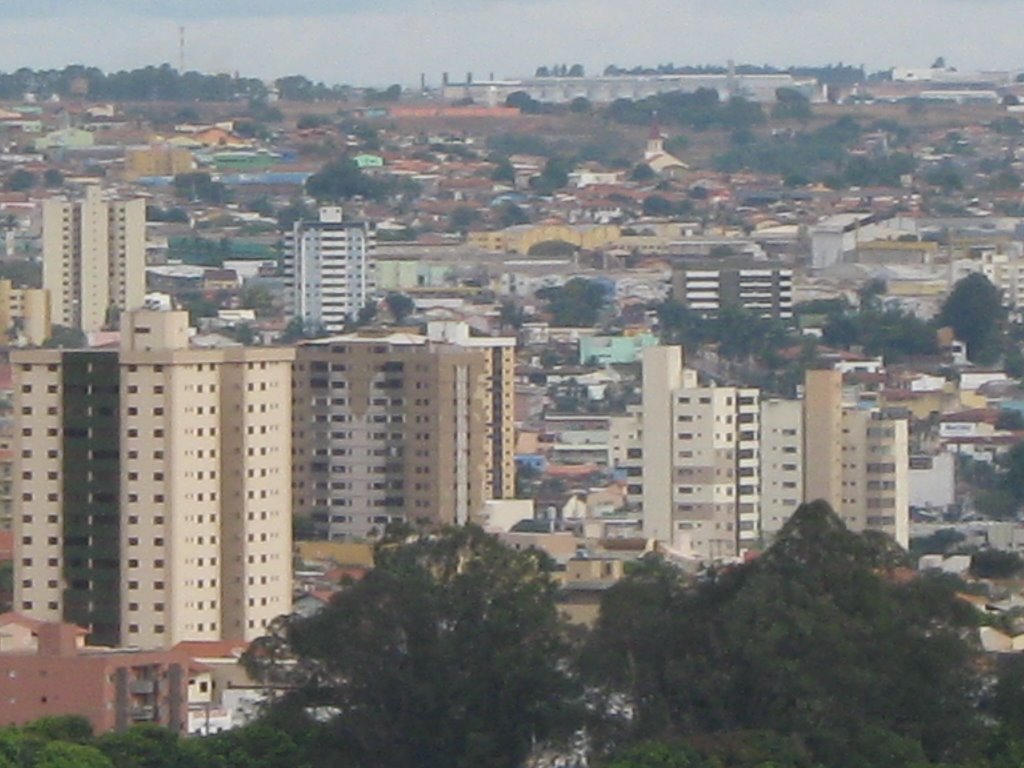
(113, 688)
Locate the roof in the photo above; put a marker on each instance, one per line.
(395, 339)
(212, 649)
(12, 617)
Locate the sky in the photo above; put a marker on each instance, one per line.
(378, 42)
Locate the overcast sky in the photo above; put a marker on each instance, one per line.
(377, 42)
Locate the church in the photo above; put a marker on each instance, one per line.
(659, 160)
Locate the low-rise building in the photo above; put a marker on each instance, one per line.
(48, 671)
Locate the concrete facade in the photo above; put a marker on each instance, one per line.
(25, 314)
(112, 689)
(152, 486)
(782, 460)
(708, 287)
(94, 258)
(857, 460)
(389, 428)
(701, 460)
(329, 270)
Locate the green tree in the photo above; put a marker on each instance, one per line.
(642, 172)
(974, 310)
(504, 172)
(513, 215)
(577, 304)
(200, 187)
(400, 306)
(655, 205)
(788, 644)
(20, 181)
(52, 177)
(260, 745)
(451, 652)
(59, 754)
(462, 218)
(790, 104)
(659, 755)
(342, 180)
(62, 337)
(580, 106)
(995, 564)
(554, 176)
(945, 176)
(143, 746)
(257, 298)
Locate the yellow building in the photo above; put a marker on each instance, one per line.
(499, 369)
(158, 159)
(94, 257)
(521, 239)
(856, 460)
(25, 314)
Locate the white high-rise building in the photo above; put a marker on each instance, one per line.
(329, 270)
(94, 258)
(701, 460)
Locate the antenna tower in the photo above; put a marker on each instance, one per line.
(181, 50)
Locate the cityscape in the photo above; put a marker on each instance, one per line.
(657, 416)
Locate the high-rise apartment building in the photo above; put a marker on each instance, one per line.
(499, 411)
(782, 463)
(394, 427)
(329, 270)
(701, 460)
(857, 460)
(25, 314)
(152, 486)
(94, 258)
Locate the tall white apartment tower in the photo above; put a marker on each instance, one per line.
(94, 257)
(153, 486)
(701, 460)
(329, 270)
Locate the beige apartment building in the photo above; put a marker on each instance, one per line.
(701, 460)
(856, 460)
(782, 463)
(157, 159)
(152, 486)
(391, 427)
(499, 410)
(94, 257)
(25, 314)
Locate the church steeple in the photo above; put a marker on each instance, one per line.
(656, 140)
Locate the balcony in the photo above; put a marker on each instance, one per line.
(142, 687)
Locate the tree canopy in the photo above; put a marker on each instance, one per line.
(974, 310)
(793, 644)
(449, 653)
(577, 304)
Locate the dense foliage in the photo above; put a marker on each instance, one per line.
(451, 652)
(577, 304)
(813, 642)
